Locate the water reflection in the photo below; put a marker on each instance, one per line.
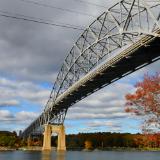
(60, 155)
(47, 155)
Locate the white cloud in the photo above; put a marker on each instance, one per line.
(102, 115)
(9, 103)
(5, 115)
(16, 121)
(26, 116)
(98, 123)
(21, 90)
(22, 117)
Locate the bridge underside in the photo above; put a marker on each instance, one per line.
(145, 55)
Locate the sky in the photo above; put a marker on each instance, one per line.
(31, 55)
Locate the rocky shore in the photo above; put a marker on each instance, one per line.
(7, 149)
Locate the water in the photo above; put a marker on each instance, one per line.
(79, 155)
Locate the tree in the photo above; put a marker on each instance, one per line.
(88, 144)
(15, 133)
(7, 141)
(145, 101)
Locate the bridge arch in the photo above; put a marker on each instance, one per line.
(120, 26)
(117, 43)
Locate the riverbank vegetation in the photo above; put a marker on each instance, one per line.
(107, 140)
(10, 140)
(88, 141)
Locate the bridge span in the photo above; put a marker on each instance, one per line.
(120, 41)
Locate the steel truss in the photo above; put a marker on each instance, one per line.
(124, 24)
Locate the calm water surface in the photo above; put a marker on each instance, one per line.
(79, 155)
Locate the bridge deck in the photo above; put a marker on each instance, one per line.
(125, 63)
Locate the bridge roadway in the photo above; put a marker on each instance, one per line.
(140, 54)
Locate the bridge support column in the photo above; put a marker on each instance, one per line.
(60, 130)
(29, 141)
(61, 139)
(47, 138)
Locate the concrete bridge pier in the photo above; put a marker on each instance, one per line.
(61, 138)
(60, 130)
(29, 140)
(47, 138)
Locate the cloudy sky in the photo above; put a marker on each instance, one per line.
(31, 55)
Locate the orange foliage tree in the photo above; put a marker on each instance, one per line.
(88, 144)
(145, 101)
(147, 140)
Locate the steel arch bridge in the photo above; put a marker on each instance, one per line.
(120, 41)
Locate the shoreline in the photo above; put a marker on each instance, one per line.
(8, 149)
(37, 148)
(116, 149)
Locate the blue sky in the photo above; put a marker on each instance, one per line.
(30, 58)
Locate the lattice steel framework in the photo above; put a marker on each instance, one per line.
(121, 26)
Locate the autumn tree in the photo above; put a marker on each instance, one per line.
(147, 140)
(145, 101)
(88, 144)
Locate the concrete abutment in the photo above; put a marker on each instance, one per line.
(60, 130)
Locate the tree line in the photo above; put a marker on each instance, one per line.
(106, 140)
(10, 139)
(99, 140)
(111, 140)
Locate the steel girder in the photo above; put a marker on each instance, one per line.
(124, 24)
